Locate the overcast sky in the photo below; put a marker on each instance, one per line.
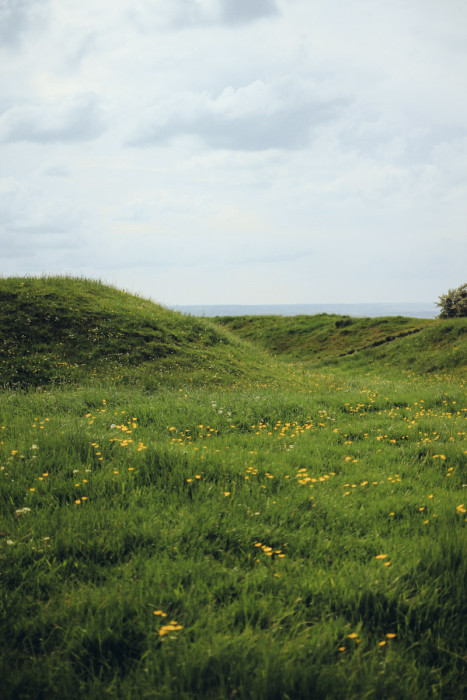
(236, 151)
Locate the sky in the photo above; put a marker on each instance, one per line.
(236, 151)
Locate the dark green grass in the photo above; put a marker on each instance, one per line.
(412, 345)
(252, 514)
(321, 335)
(59, 330)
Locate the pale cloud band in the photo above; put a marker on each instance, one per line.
(76, 119)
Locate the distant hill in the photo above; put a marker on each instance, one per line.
(371, 310)
(62, 330)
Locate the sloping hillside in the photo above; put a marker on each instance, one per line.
(320, 335)
(439, 347)
(423, 345)
(61, 330)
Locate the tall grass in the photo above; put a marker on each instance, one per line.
(297, 533)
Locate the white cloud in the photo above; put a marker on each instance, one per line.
(26, 209)
(281, 114)
(240, 11)
(178, 14)
(19, 16)
(76, 119)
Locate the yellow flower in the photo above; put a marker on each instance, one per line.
(381, 556)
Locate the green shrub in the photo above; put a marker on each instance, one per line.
(454, 303)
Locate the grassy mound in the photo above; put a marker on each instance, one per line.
(423, 345)
(321, 335)
(62, 330)
(440, 347)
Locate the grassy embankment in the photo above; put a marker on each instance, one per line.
(276, 523)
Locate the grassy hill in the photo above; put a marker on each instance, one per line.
(65, 330)
(59, 329)
(421, 345)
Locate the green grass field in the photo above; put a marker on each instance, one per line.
(261, 507)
